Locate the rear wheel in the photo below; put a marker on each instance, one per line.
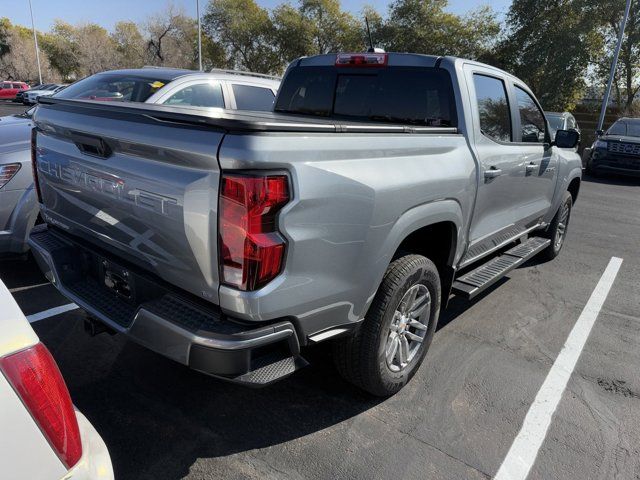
(557, 230)
(387, 349)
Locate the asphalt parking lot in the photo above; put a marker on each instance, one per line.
(457, 419)
(11, 108)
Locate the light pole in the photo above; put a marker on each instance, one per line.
(614, 64)
(35, 41)
(199, 34)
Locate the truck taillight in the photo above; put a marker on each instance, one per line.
(34, 164)
(361, 60)
(250, 248)
(35, 377)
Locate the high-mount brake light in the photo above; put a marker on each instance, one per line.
(35, 377)
(361, 60)
(34, 164)
(251, 250)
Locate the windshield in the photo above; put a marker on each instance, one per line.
(627, 129)
(556, 122)
(418, 96)
(114, 87)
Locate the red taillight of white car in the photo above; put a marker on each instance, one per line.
(251, 249)
(34, 164)
(7, 172)
(35, 377)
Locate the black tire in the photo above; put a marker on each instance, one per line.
(361, 358)
(558, 226)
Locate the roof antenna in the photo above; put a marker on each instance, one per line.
(371, 49)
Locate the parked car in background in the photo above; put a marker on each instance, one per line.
(617, 150)
(42, 435)
(178, 88)
(225, 89)
(18, 207)
(20, 94)
(561, 121)
(9, 90)
(30, 97)
(226, 240)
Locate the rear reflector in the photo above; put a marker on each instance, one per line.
(34, 164)
(7, 172)
(251, 249)
(35, 377)
(361, 60)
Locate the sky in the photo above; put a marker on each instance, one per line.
(108, 12)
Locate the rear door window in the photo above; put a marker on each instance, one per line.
(532, 124)
(198, 95)
(249, 97)
(418, 96)
(493, 108)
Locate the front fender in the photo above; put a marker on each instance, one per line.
(569, 168)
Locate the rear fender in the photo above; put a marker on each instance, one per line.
(447, 210)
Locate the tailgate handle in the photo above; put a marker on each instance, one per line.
(91, 145)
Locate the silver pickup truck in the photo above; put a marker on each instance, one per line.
(380, 185)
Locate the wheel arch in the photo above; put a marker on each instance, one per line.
(433, 230)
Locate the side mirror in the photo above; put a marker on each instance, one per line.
(599, 133)
(566, 139)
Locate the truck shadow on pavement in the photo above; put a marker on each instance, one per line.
(158, 417)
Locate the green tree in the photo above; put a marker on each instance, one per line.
(246, 33)
(423, 26)
(19, 62)
(550, 45)
(331, 28)
(62, 50)
(129, 44)
(5, 26)
(292, 33)
(171, 39)
(627, 75)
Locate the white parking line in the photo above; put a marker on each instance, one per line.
(524, 450)
(28, 287)
(51, 312)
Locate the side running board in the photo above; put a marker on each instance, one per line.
(476, 281)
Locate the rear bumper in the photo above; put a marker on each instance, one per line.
(165, 320)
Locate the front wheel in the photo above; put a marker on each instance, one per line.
(557, 231)
(389, 346)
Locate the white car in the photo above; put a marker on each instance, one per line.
(42, 435)
(31, 96)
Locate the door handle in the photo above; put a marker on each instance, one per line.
(531, 167)
(493, 172)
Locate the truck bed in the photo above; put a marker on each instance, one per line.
(237, 121)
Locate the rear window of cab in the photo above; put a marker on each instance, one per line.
(410, 95)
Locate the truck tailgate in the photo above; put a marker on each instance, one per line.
(142, 188)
